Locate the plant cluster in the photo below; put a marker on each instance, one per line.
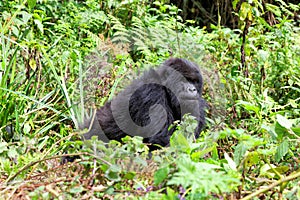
(61, 58)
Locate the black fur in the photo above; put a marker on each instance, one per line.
(150, 104)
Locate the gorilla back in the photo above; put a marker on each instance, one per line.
(151, 103)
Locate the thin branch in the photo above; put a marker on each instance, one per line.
(288, 178)
(50, 158)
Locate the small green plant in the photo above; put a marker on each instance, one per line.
(193, 179)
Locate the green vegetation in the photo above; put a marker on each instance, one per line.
(250, 148)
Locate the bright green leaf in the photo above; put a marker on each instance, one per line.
(252, 159)
(282, 150)
(234, 3)
(27, 128)
(284, 122)
(230, 162)
(113, 173)
(296, 130)
(160, 175)
(129, 175)
(245, 11)
(280, 131)
(239, 152)
(266, 172)
(248, 106)
(12, 152)
(270, 130)
(32, 64)
(31, 3)
(39, 25)
(281, 169)
(26, 17)
(178, 140)
(274, 9)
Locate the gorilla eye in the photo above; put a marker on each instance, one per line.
(193, 80)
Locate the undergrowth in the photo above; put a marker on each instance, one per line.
(61, 59)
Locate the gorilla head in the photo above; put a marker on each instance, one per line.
(150, 104)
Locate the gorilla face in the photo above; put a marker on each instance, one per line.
(150, 104)
(187, 91)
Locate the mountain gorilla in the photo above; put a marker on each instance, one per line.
(150, 104)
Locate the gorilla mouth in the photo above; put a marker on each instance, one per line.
(189, 97)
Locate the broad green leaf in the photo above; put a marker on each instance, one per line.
(266, 172)
(26, 17)
(281, 169)
(27, 128)
(129, 175)
(280, 131)
(170, 194)
(234, 3)
(284, 122)
(270, 130)
(296, 130)
(230, 162)
(282, 150)
(274, 9)
(113, 173)
(15, 30)
(39, 25)
(252, 159)
(215, 154)
(245, 11)
(12, 152)
(32, 64)
(178, 139)
(160, 175)
(31, 3)
(239, 152)
(293, 103)
(200, 154)
(201, 177)
(249, 106)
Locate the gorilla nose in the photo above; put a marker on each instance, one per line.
(192, 89)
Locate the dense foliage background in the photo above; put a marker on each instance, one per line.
(249, 53)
